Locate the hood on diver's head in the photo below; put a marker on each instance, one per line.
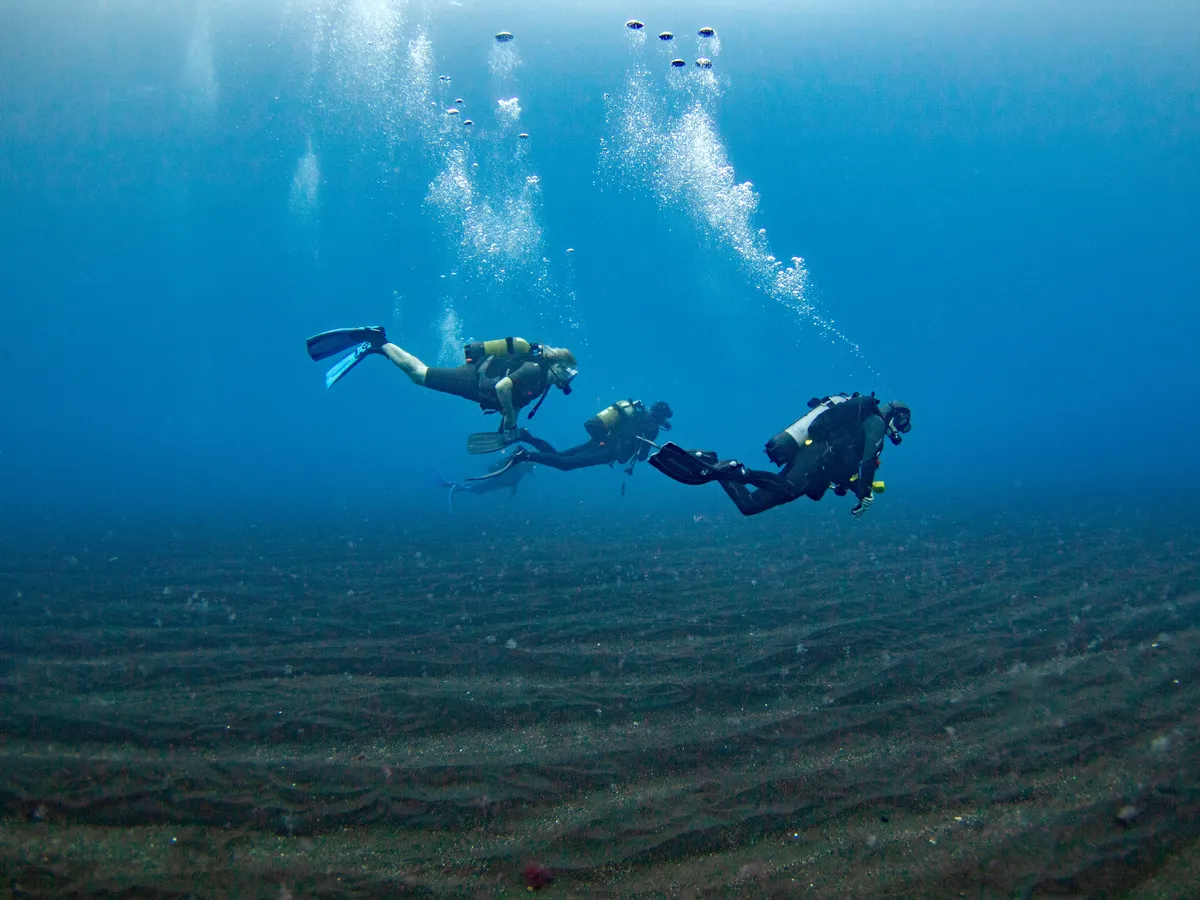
(559, 355)
(660, 412)
(899, 419)
(897, 414)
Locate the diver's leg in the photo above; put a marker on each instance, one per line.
(750, 503)
(589, 454)
(538, 443)
(559, 461)
(411, 366)
(771, 490)
(768, 481)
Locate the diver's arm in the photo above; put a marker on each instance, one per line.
(874, 431)
(645, 441)
(504, 389)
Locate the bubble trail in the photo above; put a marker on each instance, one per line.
(662, 137)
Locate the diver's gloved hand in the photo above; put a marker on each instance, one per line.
(864, 503)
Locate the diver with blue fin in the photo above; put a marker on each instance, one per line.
(621, 433)
(502, 376)
(504, 474)
(837, 444)
(360, 341)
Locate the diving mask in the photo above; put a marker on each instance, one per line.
(899, 422)
(564, 374)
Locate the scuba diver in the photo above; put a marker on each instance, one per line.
(837, 444)
(621, 433)
(502, 376)
(510, 477)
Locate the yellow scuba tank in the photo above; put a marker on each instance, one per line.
(601, 425)
(518, 349)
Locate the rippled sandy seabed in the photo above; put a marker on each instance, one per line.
(961, 707)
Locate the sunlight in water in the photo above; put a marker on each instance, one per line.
(484, 195)
(199, 70)
(304, 197)
(450, 330)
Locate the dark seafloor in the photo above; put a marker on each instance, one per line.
(974, 704)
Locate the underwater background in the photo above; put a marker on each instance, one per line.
(995, 204)
(240, 619)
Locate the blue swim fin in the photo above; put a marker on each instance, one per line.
(330, 343)
(346, 363)
(518, 457)
(440, 481)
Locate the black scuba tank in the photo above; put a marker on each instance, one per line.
(826, 420)
(782, 448)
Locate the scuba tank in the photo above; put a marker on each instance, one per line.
(517, 349)
(603, 423)
(819, 425)
(782, 448)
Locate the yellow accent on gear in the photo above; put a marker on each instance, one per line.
(500, 347)
(610, 415)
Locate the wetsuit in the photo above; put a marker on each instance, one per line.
(477, 381)
(846, 444)
(619, 447)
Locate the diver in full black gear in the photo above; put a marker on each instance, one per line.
(621, 433)
(836, 444)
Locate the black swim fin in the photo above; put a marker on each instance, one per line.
(685, 466)
(491, 441)
(330, 343)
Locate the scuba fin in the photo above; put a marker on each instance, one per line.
(330, 343)
(440, 481)
(491, 441)
(512, 461)
(685, 466)
(347, 362)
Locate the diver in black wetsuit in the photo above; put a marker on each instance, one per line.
(621, 433)
(837, 444)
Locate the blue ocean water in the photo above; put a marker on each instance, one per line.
(996, 207)
(248, 649)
